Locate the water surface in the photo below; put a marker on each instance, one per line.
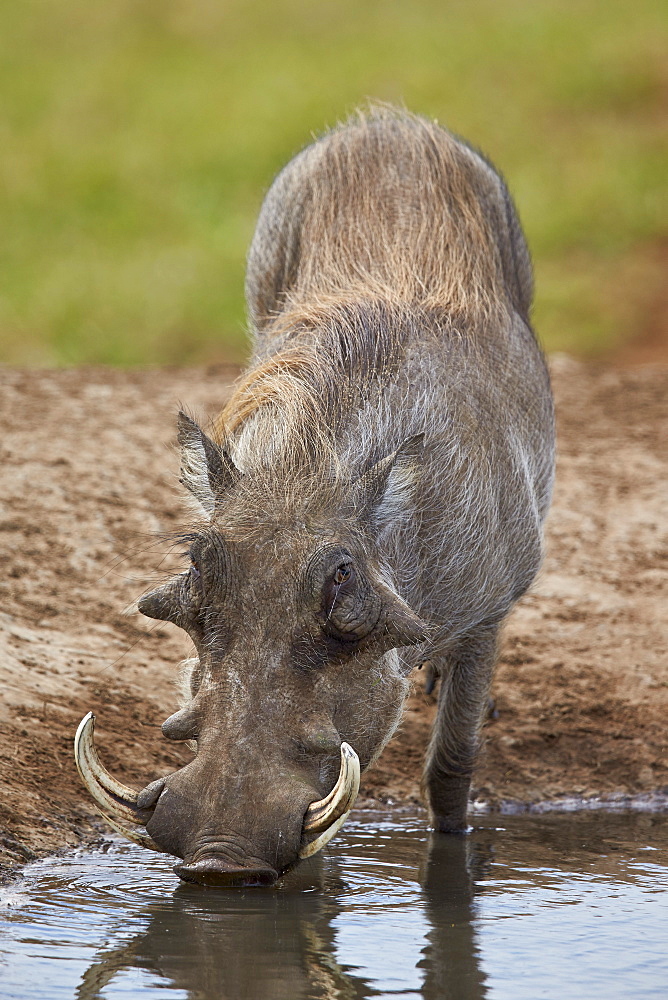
(555, 906)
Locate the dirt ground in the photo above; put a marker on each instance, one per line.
(89, 485)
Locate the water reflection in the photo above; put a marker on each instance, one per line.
(277, 945)
(282, 945)
(390, 910)
(451, 963)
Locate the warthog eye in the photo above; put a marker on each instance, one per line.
(337, 587)
(342, 574)
(194, 569)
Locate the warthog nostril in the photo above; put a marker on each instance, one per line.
(217, 872)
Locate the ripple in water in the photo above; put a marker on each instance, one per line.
(572, 906)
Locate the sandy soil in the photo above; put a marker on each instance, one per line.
(89, 480)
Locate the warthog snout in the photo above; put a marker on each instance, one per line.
(223, 841)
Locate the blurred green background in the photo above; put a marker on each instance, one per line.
(137, 138)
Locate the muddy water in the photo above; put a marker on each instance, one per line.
(556, 906)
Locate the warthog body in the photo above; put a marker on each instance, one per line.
(372, 493)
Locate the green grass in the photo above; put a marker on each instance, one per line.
(137, 139)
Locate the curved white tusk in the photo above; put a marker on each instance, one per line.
(308, 850)
(325, 818)
(320, 815)
(117, 803)
(110, 794)
(136, 835)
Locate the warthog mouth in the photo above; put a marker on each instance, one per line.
(119, 807)
(216, 872)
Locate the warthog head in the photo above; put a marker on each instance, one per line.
(297, 682)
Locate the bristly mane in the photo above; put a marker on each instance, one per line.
(322, 364)
(394, 247)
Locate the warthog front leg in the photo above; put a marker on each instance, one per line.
(466, 675)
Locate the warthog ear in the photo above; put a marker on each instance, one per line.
(206, 469)
(384, 491)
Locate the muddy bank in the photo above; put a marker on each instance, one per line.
(89, 486)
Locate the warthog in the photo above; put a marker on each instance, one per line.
(370, 498)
